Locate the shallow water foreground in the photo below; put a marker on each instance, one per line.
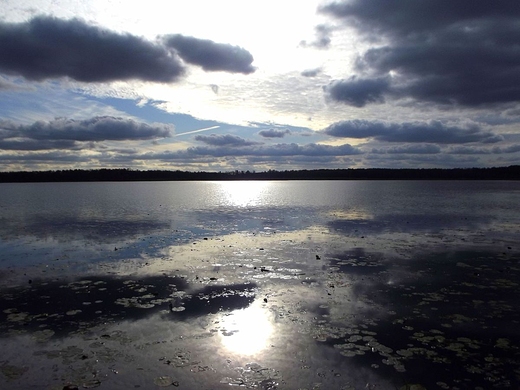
(275, 285)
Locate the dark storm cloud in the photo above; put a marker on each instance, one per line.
(422, 132)
(211, 56)
(274, 133)
(47, 47)
(449, 52)
(358, 92)
(63, 133)
(224, 140)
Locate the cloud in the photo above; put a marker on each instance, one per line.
(31, 144)
(211, 56)
(358, 92)
(47, 47)
(422, 132)
(214, 88)
(274, 133)
(291, 149)
(63, 133)
(311, 72)
(250, 151)
(482, 150)
(8, 85)
(410, 149)
(322, 40)
(448, 52)
(224, 140)
(49, 157)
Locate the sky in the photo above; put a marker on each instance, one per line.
(226, 85)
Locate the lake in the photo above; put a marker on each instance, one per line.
(260, 284)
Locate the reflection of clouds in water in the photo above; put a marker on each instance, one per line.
(408, 223)
(461, 301)
(246, 331)
(65, 227)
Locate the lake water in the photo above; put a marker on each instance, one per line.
(264, 285)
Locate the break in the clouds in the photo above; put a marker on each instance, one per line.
(48, 47)
(274, 133)
(63, 133)
(224, 140)
(422, 132)
(211, 56)
(462, 52)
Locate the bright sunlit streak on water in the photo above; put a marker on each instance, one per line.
(246, 331)
(243, 193)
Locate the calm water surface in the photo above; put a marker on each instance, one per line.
(270, 285)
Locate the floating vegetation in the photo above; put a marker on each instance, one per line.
(12, 372)
(90, 384)
(437, 321)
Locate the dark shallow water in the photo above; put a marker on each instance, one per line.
(270, 285)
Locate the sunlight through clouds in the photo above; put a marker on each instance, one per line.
(233, 67)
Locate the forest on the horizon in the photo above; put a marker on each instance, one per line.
(123, 174)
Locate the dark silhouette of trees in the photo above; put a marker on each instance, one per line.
(497, 173)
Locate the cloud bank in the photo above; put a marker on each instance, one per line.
(64, 133)
(432, 132)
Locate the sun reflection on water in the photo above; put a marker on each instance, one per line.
(246, 331)
(243, 193)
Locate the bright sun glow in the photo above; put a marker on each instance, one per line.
(246, 331)
(243, 193)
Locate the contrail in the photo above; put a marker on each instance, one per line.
(197, 131)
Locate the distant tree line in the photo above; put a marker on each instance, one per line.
(498, 173)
